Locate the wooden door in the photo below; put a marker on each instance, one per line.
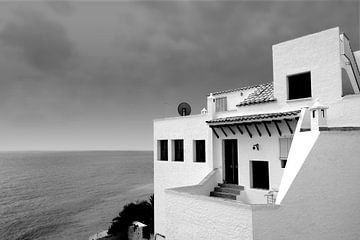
(231, 161)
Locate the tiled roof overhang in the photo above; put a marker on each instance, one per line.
(235, 90)
(254, 118)
(264, 93)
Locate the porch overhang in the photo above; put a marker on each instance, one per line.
(242, 123)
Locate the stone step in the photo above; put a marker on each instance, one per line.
(228, 190)
(223, 195)
(228, 185)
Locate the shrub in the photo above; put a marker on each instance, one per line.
(142, 211)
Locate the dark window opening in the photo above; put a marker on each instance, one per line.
(199, 150)
(283, 163)
(299, 86)
(313, 113)
(323, 113)
(163, 144)
(178, 150)
(259, 174)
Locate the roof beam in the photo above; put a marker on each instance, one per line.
(288, 125)
(267, 129)
(257, 129)
(248, 131)
(216, 134)
(223, 131)
(229, 127)
(238, 128)
(277, 126)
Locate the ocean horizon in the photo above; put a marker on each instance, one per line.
(68, 194)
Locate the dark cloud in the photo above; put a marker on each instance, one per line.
(43, 42)
(139, 59)
(61, 7)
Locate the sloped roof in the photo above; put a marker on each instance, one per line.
(257, 117)
(235, 90)
(263, 93)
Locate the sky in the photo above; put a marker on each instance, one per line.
(81, 75)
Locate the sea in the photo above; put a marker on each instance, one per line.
(69, 195)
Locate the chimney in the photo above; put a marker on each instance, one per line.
(318, 116)
(211, 106)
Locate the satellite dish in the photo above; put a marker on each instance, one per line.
(184, 109)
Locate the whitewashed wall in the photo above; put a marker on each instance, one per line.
(169, 174)
(323, 200)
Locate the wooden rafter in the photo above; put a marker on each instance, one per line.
(288, 125)
(216, 134)
(248, 131)
(231, 130)
(277, 126)
(223, 131)
(257, 129)
(267, 129)
(238, 128)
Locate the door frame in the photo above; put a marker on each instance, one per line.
(223, 158)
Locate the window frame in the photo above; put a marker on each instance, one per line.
(289, 79)
(160, 150)
(195, 151)
(221, 104)
(175, 147)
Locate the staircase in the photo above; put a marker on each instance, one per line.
(225, 190)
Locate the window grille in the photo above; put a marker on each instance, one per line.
(221, 104)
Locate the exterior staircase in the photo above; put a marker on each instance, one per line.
(225, 190)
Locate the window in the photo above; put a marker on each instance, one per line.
(284, 143)
(163, 150)
(178, 150)
(199, 150)
(299, 86)
(221, 104)
(259, 172)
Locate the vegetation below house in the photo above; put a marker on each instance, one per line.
(141, 211)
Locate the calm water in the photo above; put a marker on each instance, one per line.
(68, 195)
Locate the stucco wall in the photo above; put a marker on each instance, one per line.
(318, 53)
(169, 174)
(323, 201)
(194, 217)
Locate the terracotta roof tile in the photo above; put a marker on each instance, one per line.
(263, 93)
(256, 117)
(235, 89)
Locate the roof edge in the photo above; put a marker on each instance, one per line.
(238, 89)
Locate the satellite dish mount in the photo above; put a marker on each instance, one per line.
(184, 109)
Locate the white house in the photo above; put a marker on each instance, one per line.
(274, 161)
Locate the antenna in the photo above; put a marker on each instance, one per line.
(184, 109)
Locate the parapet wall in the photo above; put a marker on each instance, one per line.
(323, 200)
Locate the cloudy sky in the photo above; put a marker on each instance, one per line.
(93, 75)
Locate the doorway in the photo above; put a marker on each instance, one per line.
(231, 161)
(259, 174)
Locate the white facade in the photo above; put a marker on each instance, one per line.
(272, 124)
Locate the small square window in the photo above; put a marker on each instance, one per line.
(163, 150)
(299, 86)
(178, 150)
(283, 163)
(199, 150)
